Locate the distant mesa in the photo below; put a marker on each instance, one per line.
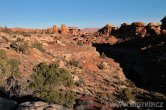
(133, 30)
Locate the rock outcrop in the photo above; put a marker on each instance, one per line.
(138, 29)
(123, 32)
(106, 30)
(64, 29)
(153, 29)
(75, 31)
(55, 29)
(163, 26)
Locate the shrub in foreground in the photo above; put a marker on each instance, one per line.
(45, 79)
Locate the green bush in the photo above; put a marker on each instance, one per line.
(44, 80)
(38, 46)
(14, 65)
(24, 48)
(62, 98)
(45, 76)
(80, 82)
(74, 63)
(20, 46)
(8, 68)
(128, 96)
(3, 54)
(102, 55)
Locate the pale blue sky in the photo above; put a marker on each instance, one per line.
(81, 13)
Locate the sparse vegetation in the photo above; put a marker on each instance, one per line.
(25, 34)
(128, 96)
(8, 68)
(74, 63)
(44, 80)
(80, 82)
(38, 46)
(50, 75)
(102, 55)
(3, 54)
(63, 98)
(20, 46)
(100, 66)
(80, 43)
(6, 30)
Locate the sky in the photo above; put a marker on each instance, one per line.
(80, 13)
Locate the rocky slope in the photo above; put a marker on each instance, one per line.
(67, 68)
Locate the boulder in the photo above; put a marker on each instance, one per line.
(7, 104)
(138, 29)
(55, 29)
(39, 106)
(123, 31)
(112, 40)
(75, 32)
(64, 29)
(153, 29)
(106, 30)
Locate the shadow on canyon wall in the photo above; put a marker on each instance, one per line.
(143, 61)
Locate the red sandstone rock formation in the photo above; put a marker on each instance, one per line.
(138, 29)
(163, 26)
(55, 29)
(153, 29)
(106, 30)
(64, 29)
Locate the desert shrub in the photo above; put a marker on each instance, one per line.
(128, 96)
(63, 98)
(100, 66)
(80, 82)
(20, 46)
(8, 68)
(102, 96)
(130, 83)
(38, 46)
(102, 55)
(80, 43)
(20, 39)
(3, 54)
(25, 34)
(74, 63)
(6, 30)
(45, 76)
(14, 66)
(24, 48)
(85, 102)
(44, 80)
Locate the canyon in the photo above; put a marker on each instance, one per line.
(67, 68)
